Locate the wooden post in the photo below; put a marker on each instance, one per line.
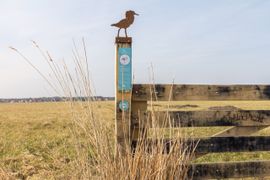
(123, 90)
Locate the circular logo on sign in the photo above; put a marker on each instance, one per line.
(124, 59)
(123, 105)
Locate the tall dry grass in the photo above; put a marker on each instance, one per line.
(96, 155)
(4, 174)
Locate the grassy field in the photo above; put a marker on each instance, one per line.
(36, 141)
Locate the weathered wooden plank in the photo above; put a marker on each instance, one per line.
(209, 118)
(240, 131)
(165, 92)
(233, 144)
(229, 170)
(220, 144)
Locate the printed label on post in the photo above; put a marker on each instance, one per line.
(124, 69)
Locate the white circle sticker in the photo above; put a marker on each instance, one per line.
(124, 59)
(123, 105)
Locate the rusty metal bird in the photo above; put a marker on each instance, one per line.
(125, 23)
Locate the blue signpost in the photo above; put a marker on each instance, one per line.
(123, 90)
(124, 69)
(123, 83)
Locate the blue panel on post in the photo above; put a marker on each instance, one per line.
(124, 69)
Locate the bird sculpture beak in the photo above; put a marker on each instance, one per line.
(136, 14)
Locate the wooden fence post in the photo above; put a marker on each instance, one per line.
(123, 92)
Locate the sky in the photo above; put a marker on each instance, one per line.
(185, 41)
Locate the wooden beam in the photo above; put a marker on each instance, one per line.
(220, 144)
(233, 144)
(222, 170)
(240, 131)
(212, 118)
(166, 92)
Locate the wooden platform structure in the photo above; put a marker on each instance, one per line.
(238, 138)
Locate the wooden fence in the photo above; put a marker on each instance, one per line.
(235, 139)
(131, 110)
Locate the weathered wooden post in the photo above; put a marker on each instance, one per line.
(123, 80)
(123, 91)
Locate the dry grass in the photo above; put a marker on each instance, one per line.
(98, 158)
(79, 143)
(35, 138)
(4, 174)
(38, 141)
(91, 143)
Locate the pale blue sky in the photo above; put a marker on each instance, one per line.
(191, 41)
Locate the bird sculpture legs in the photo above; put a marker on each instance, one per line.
(126, 32)
(118, 32)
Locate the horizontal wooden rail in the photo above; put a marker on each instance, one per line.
(221, 144)
(234, 144)
(229, 170)
(210, 118)
(166, 92)
(234, 139)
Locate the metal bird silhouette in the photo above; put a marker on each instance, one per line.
(125, 23)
